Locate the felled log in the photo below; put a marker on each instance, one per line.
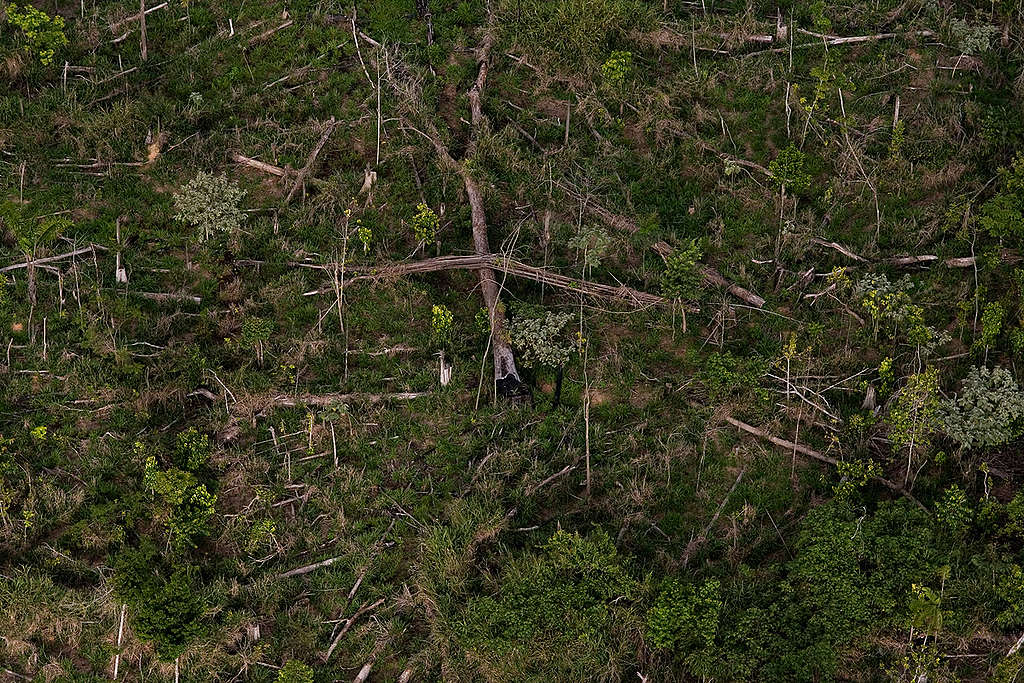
(714, 277)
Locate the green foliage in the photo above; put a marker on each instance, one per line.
(1009, 588)
(188, 505)
(991, 323)
(189, 519)
(591, 243)
(571, 34)
(987, 412)
(442, 326)
(261, 535)
(854, 475)
(31, 231)
(788, 170)
(685, 619)
(542, 341)
(365, 235)
(617, 68)
(134, 573)
(972, 40)
(615, 73)
(566, 598)
(192, 450)
(1002, 216)
(256, 334)
(926, 608)
(43, 33)
(210, 203)
(852, 573)
(682, 278)
(725, 373)
(954, 511)
(896, 140)
(913, 415)
(295, 672)
(256, 331)
(891, 309)
(425, 224)
(170, 615)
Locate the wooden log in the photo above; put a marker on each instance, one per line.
(51, 259)
(714, 277)
(790, 447)
(300, 179)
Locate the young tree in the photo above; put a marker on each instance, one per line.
(295, 672)
(987, 412)
(170, 615)
(210, 203)
(31, 232)
(542, 341)
(43, 33)
(912, 418)
(682, 280)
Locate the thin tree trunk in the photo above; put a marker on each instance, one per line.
(142, 29)
(507, 380)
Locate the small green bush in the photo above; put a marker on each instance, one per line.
(987, 412)
(542, 341)
(685, 617)
(44, 34)
(425, 224)
(210, 203)
(295, 672)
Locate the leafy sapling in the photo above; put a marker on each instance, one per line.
(44, 34)
(211, 204)
(425, 225)
(682, 279)
(987, 412)
(543, 341)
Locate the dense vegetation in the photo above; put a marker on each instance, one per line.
(517, 340)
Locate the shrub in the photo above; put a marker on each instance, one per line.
(987, 411)
(541, 341)
(442, 325)
(591, 244)
(913, 415)
(553, 617)
(188, 503)
(617, 68)
(787, 170)
(425, 224)
(255, 334)
(295, 672)
(193, 449)
(210, 203)
(682, 278)
(953, 511)
(685, 619)
(1002, 216)
(170, 616)
(44, 34)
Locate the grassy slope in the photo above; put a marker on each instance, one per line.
(431, 499)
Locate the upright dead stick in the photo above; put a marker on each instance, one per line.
(142, 29)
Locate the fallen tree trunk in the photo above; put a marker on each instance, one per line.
(51, 259)
(621, 293)
(811, 453)
(1006, 256)
(300, 179)
(635, 297)
(331, 399)
(506, 376)
(714, 277)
